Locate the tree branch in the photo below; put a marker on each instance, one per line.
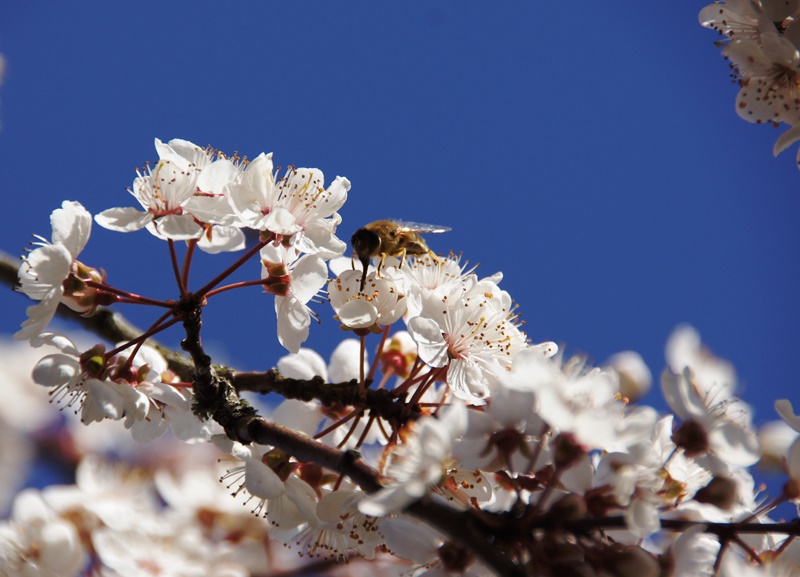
(381, 403)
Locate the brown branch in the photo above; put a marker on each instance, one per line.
(381, 403)
(721, 530)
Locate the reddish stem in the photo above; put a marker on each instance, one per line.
(231, 269)
(175, 269)
(157, 327)
(134, 298)
(352, 429)
(187, 261)
(336, 425)
(362, 355)
(378, 354)
(235, 285)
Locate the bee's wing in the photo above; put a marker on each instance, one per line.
(408, 226)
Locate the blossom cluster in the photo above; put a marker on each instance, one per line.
(761, 39)
(551, 461)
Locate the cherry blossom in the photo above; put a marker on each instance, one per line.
(294, 280)
(472, 333)
(379, 304)
(43, 273)
(700, 388)
(769, 73)
(419, 463)
(295, 206)
(162, 191)
(35, 542)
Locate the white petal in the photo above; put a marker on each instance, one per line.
(410, 539)
(453, 419)
(214, 209)
(642, 518)
(305, 364)
(547, 349)
(281, 221)
(675, 389)
(308, 277)
(298, 415)
(294, 321)
(468, 381)
(215, 177)
(178, 227)
(44, 269)
(345, 361)
(319, 240)
(253, 193)
(54, 370)
(72, 225)
(358, 314)
(261, 481)
(102, 401)
(186, 426)
(150, 429)
(431, 346)
(303, 496)
(39, 316)
(126, 219)
(183, 148)
(786, 411)
(223, 239)
(735, 444)
(60, 548)
(794, 460)
(391, 499)
(169, 395)
(786, 139)
(56, 340)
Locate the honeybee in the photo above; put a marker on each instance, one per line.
(391, 238)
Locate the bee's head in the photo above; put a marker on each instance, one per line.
(365, 243)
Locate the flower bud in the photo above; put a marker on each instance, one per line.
(622, 561)
(720, 492)
(692, 438)
(791, 490)
(455, 559)
(79, 295)
(567, 451)
(635, 378)
(278, 278)
(94, 363)
(570, 507)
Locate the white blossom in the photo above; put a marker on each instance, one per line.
(472, 333)
(379, 304)
(295, 280)
(162, 192)
(43, 272)
(419, 463)
(296, 206)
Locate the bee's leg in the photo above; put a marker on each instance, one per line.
(380, 264)
(433, 255)
(403, 258)
(365, 268)
(353, 261)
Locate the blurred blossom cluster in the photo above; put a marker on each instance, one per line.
(547, 459)
(761, 39)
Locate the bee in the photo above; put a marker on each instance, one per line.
(391, 238)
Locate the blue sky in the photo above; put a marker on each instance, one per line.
(590, 151)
